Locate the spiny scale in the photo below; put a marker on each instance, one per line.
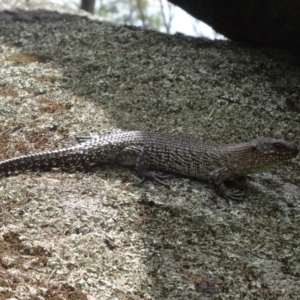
(165, 152)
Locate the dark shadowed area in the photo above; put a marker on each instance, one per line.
(255, 22)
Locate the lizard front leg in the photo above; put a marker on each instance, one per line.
(217, 180)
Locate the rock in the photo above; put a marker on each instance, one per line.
(256, 22)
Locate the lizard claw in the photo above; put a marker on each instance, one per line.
(154, 176)
(235, 196)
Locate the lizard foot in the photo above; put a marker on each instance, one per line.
(234, 196)
(154, 176)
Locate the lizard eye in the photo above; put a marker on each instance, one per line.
(253, 148)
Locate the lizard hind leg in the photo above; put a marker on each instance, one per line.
(138, 156)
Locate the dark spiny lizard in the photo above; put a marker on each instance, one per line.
(149, 151)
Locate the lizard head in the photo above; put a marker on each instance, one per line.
(266, 152)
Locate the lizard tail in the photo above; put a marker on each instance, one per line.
(65, 158)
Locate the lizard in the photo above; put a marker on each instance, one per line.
(150, 151)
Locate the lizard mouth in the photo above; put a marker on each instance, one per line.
(292, 153)
(287, 154)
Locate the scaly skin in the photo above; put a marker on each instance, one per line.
(149, 151)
